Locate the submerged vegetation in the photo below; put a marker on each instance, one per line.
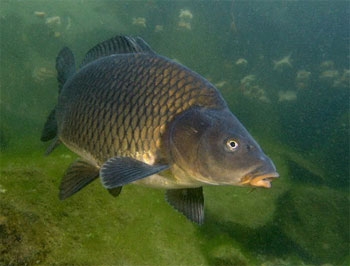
(284, 71)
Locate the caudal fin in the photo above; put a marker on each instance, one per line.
(65, 66)
(50, 128)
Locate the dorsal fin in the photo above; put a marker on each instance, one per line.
(117, 45)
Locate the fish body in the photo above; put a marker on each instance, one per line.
(134, 116)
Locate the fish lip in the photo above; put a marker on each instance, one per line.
(259, 180)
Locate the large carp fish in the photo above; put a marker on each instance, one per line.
(134, 116)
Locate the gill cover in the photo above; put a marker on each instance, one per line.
(185, 135)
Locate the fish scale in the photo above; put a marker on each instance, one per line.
(137, 117)
(100, 102)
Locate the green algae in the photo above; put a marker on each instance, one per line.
(242, 227)
(316, 212)
(128, 230)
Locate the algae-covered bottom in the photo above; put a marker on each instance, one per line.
(283, 226)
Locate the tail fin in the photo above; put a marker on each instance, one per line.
(50, 128)
(65, 66)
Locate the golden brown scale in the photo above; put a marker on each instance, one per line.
(121, 105)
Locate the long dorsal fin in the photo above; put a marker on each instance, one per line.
(117, 45)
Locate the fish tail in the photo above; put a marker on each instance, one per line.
(50, 128)
(65, 66)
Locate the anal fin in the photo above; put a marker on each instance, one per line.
(115, 191)
(188, 201)
(78, 175)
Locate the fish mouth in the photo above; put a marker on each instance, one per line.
(263, 180)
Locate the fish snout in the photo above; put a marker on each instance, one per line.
(260, 181)
(261, 176)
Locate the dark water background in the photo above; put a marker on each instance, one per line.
(298, 112)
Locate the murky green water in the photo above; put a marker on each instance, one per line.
(282, 66)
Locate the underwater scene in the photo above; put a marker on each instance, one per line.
(283, 69)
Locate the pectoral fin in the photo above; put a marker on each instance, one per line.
(188, 201)
(119, 171)
(78, 175)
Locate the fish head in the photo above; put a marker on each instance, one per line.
(213, 147)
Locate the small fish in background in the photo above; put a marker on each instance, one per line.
(134, 116)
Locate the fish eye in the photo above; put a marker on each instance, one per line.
(231, 145)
